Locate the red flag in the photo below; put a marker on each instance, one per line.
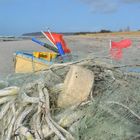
(122, 44)
(116, 49)
(58, 38)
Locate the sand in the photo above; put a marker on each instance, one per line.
(81, 46)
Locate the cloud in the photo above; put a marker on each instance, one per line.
(107, 6)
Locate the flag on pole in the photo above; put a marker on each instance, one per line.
(58, 38)
(116, 48)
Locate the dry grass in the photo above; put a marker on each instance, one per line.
(114, 34)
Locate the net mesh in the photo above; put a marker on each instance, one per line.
(112, 111)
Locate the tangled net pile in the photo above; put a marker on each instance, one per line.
(29, 111)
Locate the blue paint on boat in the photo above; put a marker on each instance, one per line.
(30, 56)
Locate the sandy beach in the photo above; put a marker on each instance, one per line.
(81, 46)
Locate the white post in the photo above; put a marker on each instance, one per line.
(51, 34)
(49, 39)
(110, 45)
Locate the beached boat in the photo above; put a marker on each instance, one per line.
(36, 61)
(27, 62)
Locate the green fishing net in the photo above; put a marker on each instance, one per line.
(111, 113)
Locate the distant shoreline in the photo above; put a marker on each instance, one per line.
(102, 32)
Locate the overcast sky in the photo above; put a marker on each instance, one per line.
(22, 16)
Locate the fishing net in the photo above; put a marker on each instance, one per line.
(110, 113)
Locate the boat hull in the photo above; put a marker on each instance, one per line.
(25, 63)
